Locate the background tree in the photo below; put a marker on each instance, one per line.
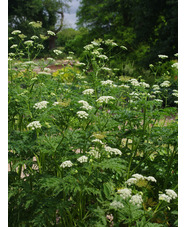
(49, 12)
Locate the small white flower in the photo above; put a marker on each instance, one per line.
(44, 73)
(66, 164)
(14, 46)
(85, 106)
(175, 93)
(94, 153)
(40, 46)
(134, 82)
(88, 91)
(145, 85)
(40, 105)
(80, 64)
(165, 84)
(136, 200)
(176, 55)
(176, 102)
(34, 37)
(162, 56)
(82, 159)
(15, 32)
(107, 82)
(33, 125)
(171, 193)
(138, 176)
(125, 193)
(105, 99)
(131, 181)
(123, 85)
(57, 52)
(175, 65)
(164, 197)
(150, 178)
(117, 205)
(51, 33)
(113, 150)
(95, 43)
(97, 141)
(102, 56)
(69, 58)
(50, 59)
(106, 69)
(82, 114)
(29, 42)
(55, 103)
(89, 47)
(158, 100)
(155, 87)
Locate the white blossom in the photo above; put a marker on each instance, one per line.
(136, 200)
(14, 46)
(117, 205)
(107, 82)
(105, 99)
(66, 164)
(113, 150)
(158, 100)
(80, 64)
(57, 52)
(15, 32)
(106, 69)
(97, 141)
(162, 56)
(175, 65)
(172, 194)
(33, 125)
(85, 106)
(155, 87)
(145, 85)
(134, 82)
(123, 85)
(55, 103)
(131, 181)
(150, 178)
(40, 46)
(88, 91)
(51, 33)
(102, 56)
(44, 73)
(88, 47)
(82, 159)
(95, 43)
(82, 114)
(125, 193)
(176, 55)
(40, 105)
(29, 42)
(138, 176)
(94, 153)
(165, 84)
(123, 47)
(34, 37)
(164, 197)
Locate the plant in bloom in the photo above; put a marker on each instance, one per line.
(15, 32)
(162, 56)
(98, 141)
(82, 159)
(172, 194)
(66, 164)
(136, 200)
(51, 33)
(134, 82)
(105, 99)
(166, 83)
(85, 106)
(82, 114)
(34, 125)
(57, 52)
(107, 82)
(95, 153)
(40, 105)
(29, 42)
(113, 150)
(117, 205)
(88, 91)
(125, 193)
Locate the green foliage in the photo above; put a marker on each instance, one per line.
(74, 145)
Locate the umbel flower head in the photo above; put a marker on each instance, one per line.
(136, 200)
(66, 164)
(85, 106)
(82, 114)
(34, 125)
(40, 105)
(125, 193)
(105, 99)
(117, 205)
(88, 91)
(82, 159)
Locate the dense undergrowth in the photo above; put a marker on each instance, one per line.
(87, 148)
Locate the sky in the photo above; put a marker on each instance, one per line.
(70, 17)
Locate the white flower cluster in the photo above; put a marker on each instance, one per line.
(107, 82)
(175, 93)
(85, 106)
(34, 37)
(66, 164)
(80, 64)
(155, 87)
(162, 56)
(175, 65)
(14, 46)
(102, 56)
(136, 200)
(88, 91)
(158, 100)
(51, 33)
(134, 82)
(170, 194)
(110, 42)
(138, 177)
(123, 47)
(33, 125)
(113, 150)
(145, 85)
(125, 193)
(123, 85)
(57, 52)
(98, 141)
(106, 69)
(29, 42)
(104, 99)
(40, 105)
(95, 153)
(117, 205)
(165, 84)
(89, 47)
(82, 114)
(55, 103)
(95, 43)
(15, 32)
(82, 159)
